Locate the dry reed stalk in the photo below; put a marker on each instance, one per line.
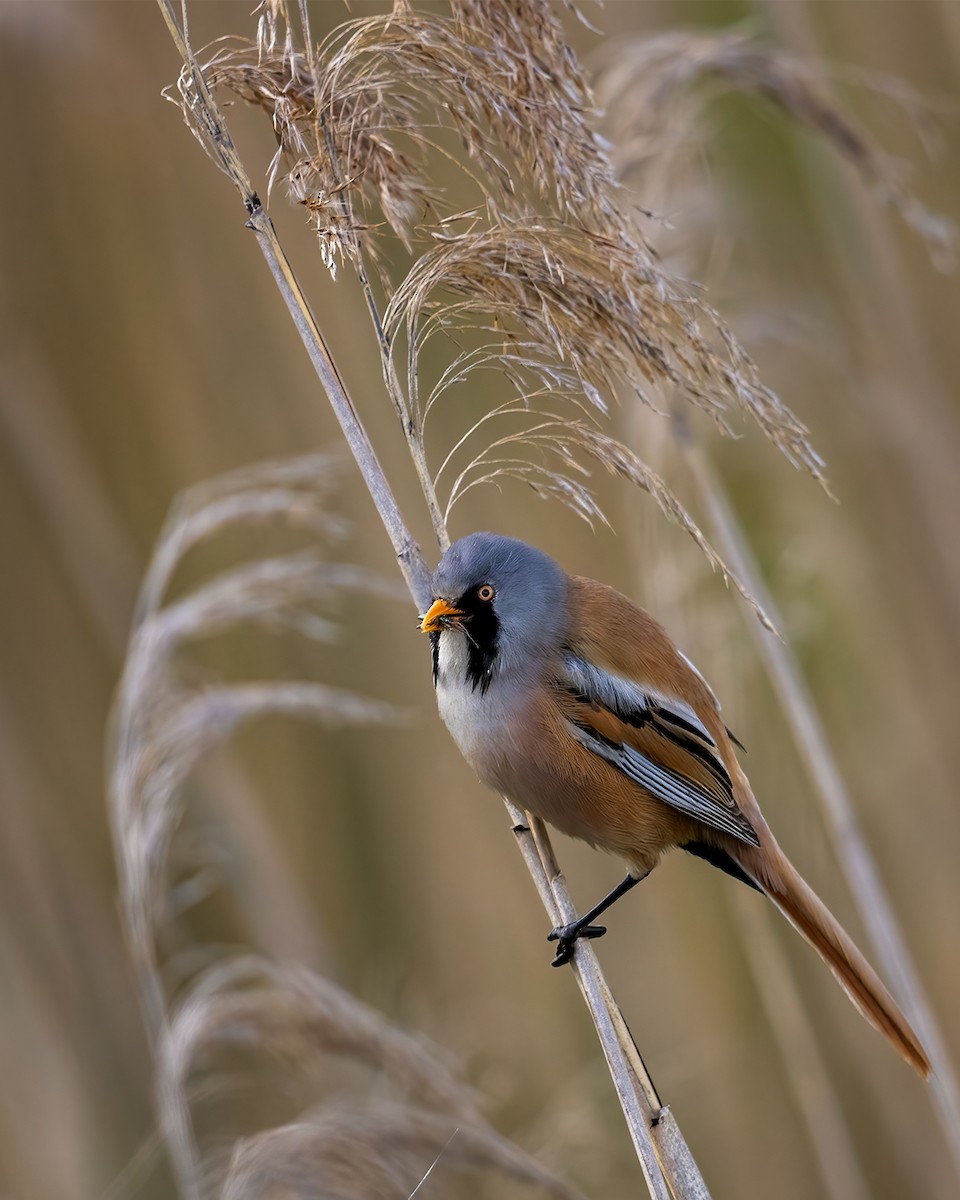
(850, 846)
(655, 109)
(841, 1175)
(206, 122)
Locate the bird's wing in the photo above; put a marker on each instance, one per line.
(623, 687)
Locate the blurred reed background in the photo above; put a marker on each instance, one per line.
(144, 349)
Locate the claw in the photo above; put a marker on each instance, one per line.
(566, 938)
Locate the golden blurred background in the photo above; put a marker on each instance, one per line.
(144, 348)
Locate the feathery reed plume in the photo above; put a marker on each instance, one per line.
(585, 315)
(294, 1014)
(551, 238)
(585, 302)
(300, 1018)
(162, 726)
(382, 1151)
(385, 88)
(656, 91)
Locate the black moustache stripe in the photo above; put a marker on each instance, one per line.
(482, 632)
(434, 637)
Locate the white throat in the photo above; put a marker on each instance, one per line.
(477, 719)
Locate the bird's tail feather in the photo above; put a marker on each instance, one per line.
(775, 875)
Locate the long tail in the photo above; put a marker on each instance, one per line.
(769, 867)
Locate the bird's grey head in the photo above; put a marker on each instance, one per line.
(507, 600)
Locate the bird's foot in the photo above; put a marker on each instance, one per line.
(566, 938)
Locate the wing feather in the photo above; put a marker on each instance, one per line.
(671, 786)
(629, 712)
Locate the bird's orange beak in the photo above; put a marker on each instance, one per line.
(440, 615)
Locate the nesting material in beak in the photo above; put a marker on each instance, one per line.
(440, 615)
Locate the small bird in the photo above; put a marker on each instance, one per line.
(569, 699)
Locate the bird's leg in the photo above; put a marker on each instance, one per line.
(566, 935)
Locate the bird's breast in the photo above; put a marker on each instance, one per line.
(482, 719)
(517, 739)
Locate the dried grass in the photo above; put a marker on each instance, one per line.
(551, 270)
(162, 726)
(656, 92)
(583, 307)
(367, 108)
(379, 1152)
(299, 1017)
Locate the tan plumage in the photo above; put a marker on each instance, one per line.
(570, 699)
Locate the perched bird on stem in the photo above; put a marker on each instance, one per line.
(568, 698)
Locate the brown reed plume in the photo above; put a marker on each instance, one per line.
(657, 92)
(164, 723)
(377, 1151)
(540, 230)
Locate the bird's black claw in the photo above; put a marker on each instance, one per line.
(566, 938)
(570, 933)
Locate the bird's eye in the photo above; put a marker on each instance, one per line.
(485, 592)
